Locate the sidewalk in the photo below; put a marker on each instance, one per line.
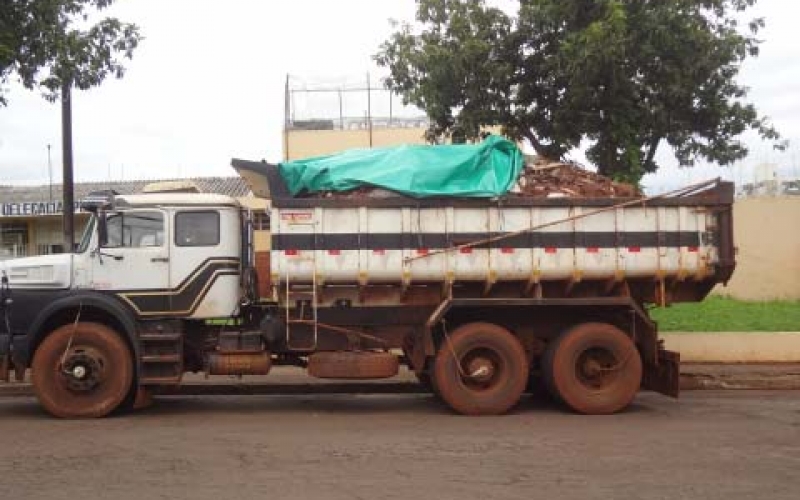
(735, 347)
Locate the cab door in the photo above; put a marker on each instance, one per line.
(133, 262)
(205, 255)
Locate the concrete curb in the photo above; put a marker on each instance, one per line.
(735, 347)
(740, 376)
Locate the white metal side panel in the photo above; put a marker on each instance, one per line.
(595, 260)
(640, 261)
(710, 250)
(338, 259)
(689, 261)
(290, 264)
(669, 256)
(554, 263)
(389, 245)
(470, 264)
(382, 264)
(426, 221)
(506, 260)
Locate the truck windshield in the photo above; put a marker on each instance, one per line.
(87, 235)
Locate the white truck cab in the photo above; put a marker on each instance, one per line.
(163, 254)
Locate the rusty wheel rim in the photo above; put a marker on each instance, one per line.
(482, 369)
(83, 369)
(596, 368)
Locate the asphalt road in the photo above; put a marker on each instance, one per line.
(708, 445)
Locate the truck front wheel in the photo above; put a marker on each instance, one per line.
(480, 369)
(594, 368)
(82, 370)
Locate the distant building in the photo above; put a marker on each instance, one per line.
(30, 216)
(774, 187)
(307, 138)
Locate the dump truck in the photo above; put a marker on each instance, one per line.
(480, 297)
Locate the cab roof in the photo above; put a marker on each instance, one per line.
(174, 199)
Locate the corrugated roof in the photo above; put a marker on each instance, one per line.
(229, 186)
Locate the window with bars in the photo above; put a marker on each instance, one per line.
(260, 220)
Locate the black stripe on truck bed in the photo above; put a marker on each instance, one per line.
(398, 241)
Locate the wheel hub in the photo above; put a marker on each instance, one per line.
(595, 367)
(83, 370)
(481, 369)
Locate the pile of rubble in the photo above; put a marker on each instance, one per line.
(539, 179)
(548, 179)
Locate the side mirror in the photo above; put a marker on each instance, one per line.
(102, 229)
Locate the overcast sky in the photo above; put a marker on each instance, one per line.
(207, 83)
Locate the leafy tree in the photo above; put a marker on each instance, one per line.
(626, 76)
(49, 43)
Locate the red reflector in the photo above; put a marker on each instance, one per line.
(592, 250)
(378, 251)
(550, 250)
(422, 251)
(290, 252)
(334, 252)
(507, 250)
(634, 249)
(692, 249)
(465, 250)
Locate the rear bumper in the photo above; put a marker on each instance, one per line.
(664, 376)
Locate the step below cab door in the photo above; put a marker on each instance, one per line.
(133, 261)
(205, 257)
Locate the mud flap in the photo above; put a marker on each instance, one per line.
(665, 376)
(5, 368)
(5, 358)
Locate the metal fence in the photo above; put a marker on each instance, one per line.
(346, 103)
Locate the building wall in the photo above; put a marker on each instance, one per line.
(27, 236)
(767, 235)
(307, 143)
(261, 235)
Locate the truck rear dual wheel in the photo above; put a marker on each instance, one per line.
(594, 368)
(480, 369)
(82, 370)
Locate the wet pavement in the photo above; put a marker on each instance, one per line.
(708, 444)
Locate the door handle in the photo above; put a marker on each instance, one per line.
(109, 255)
(159, 259)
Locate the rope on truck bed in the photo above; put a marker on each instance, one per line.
(684, 191)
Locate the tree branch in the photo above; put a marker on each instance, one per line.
(652, 148)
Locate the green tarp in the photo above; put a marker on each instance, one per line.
(480, 170)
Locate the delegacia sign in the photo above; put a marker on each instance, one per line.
(35, 208)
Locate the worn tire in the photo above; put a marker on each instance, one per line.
(112, 366)
(357, 365)
(547, 370)
(474, 343)
(593, 368)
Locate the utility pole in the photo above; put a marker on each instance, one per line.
(286, 110)
(68, 187)
(50, 172)
(369, 111)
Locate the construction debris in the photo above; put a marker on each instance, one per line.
(540, 178)
(548, 179)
